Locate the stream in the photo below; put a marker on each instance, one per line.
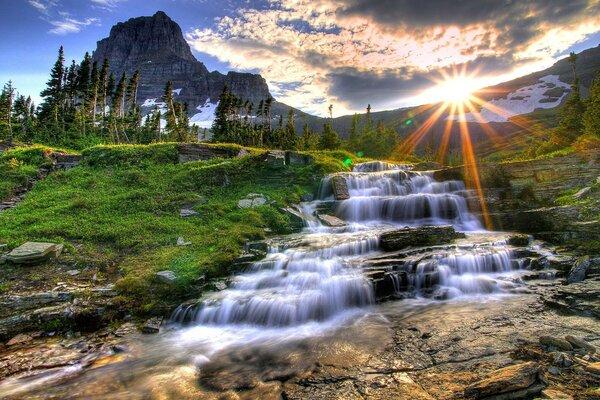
(315, 297)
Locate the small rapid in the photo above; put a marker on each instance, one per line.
(324, 275)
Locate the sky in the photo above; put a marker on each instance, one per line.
(350, 53)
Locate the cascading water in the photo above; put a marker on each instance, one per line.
(323, 276)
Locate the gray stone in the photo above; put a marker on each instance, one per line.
(275, 159)
(152, 325)
(340, 188)
(74, 272)
(296, 218)
(580, 343)
(307, 197)
(253, 200)
(181, 242)
(420, 236)
(220, 285)
(331, 221)
(579, 270)
(518, 239)
(296, 159)
(555, 342)
(34, 252)
(583, 193)
(187, 212)
(167, 276)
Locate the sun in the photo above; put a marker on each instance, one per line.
(456, 88)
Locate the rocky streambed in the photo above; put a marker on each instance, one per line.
(318, 315)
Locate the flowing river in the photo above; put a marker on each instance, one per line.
(311, 290)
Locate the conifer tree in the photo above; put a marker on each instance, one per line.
(52, 105)
(571, 118)
(329, 140)
(591, 117)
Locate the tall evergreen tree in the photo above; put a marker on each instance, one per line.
(52, 105)
(329, 140)
(591, 117)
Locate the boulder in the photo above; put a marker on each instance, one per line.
(331, 221)
(296, 159)
(152, 325)
(518, 239)
(579, 270)
(34, 252)
(275, 159)
(167, 276)
(421, 236)
(555, 342)
(296, 218)
(513, 382)
(340, 188)
(181, 241)
(580, 344)
(253, 200)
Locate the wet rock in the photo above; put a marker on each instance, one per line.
(421, 236)
(34, 252)
(580, 343)
(167, 276)
(126, 329)
(220, 285)
(579, 270)
(19, 339)
(555, 342)
(576, 298)
(562, 360)
(331, 221)
(583, 193)
(261, 247)
(295, 217)
(340, 188)
(441, 294)
(555, 395)
(152, 325)
(518, 240)
(181, 242)
(296, 159)
(516, 381)
(307, 197)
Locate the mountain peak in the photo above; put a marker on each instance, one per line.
(156, 47)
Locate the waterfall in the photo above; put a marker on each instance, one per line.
(322, 276)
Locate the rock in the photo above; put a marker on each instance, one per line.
(181, 241)
(73, 272)
(554, 371)
(152, 325)
(187, 152)
(307, 197)
(296, 218)
(583, 193)
(555, 342)
(518, 240)
(220, 285)
(555, 395)
(19, 339)
(125, 329)
(441, 294)
(34, 252)
(167, 276)
(156, 47)
(253, 200)
(275, 159)
(580, 344)
(562, 360)
(296, 159)
(579, 270)
(425, 235)
(340, 188)
(187, 212)
(331, 221)
(516, 380)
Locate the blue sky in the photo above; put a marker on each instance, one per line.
(347, 52)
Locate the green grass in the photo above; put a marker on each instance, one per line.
(123, 203)
(19, 165)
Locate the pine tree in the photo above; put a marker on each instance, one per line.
(104, 89)
(171, 114)
(93, 92)
(354, 136)
(329, 140)
(571, 117)
(132, 89)
(52, 106)
(6, 104)
(591, 117)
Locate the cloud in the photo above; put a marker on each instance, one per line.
(70, 25)
(352, 52)
(43, 6)
(108, 5)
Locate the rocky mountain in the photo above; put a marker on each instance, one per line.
(155, 46)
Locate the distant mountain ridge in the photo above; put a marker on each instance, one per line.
(155, 45)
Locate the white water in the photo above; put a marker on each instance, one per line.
(323, 278)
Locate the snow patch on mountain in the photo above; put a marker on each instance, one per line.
(522, 101)
(206, 115)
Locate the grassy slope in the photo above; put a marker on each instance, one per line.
(121, 207)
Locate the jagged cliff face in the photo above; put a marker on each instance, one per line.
(155, 45)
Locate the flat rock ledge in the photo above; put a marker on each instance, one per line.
(34, 252)
(421, 236)
(513, 382)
